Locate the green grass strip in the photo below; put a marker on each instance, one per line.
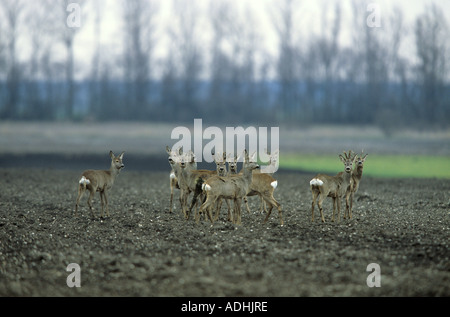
(390, 166)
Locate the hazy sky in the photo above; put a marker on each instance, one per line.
(307, 21)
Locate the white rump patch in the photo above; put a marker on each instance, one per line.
(316, 181)
(206, 187)
(172, 175)
(84, 181)
(274, 184)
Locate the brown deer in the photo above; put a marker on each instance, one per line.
(323, 186)
(99, 181)
(188, 180)
(263, 185)
(221, 170)
(173, 176)
(233, 187)
(356, 177)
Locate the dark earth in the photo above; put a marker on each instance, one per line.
(402, 225)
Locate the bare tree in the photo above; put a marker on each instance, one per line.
(185, 58)
(139, 21)
(287, 67)
(12, 13)
(67, 19)
(372, 70)
(234, 50)
(431, 34)
(95, 87)
(40, 30)
(320, 65)
(221, 64)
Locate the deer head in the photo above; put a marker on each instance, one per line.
(348, 161)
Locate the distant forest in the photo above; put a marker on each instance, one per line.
(232, 78)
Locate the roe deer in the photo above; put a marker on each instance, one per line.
(263, 185)
(174, 173)
(189, 178)
(356, 177)
(323, 186)
(99, 181)
(221, 170)
(233, 187)
(260, 184)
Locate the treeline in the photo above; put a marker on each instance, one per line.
(229, 76)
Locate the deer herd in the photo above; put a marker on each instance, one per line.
(211, 187)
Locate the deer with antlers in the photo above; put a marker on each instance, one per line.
(356, 178)
(263, 185)
(323, 186)
(233, 187)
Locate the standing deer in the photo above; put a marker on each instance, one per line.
(356, 177)
(173, 176)
(233, 187)
(221, 170)
(260, 184)
(189, 179)
(323, 186)
(263, 185)
(99, 181)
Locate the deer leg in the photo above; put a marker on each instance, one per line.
(208, 211)
(321, 198)
(235, 212)
(106, 203)
(238, 203)
(171, 195)
(334, 208)
(184, 200)
(273, 203)
(229, 210)
(194, 202)
(246, 204)
(338, 209)
(218, 207)
(91, 196)
(351, 206)
(314, 196)
(270, 209)
(204, 207)
(280, 211)
(81, 190)
(347, 205)
(102, 203)
(262, 205)
(199, 210)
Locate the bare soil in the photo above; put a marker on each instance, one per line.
(403, 225)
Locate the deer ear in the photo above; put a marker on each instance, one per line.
(341, 157)
(121, 155)
(246, 157)
(111, 154)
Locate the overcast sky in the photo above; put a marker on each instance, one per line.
(307, 21)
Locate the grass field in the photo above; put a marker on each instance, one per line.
(314, 149)
(421, 166)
